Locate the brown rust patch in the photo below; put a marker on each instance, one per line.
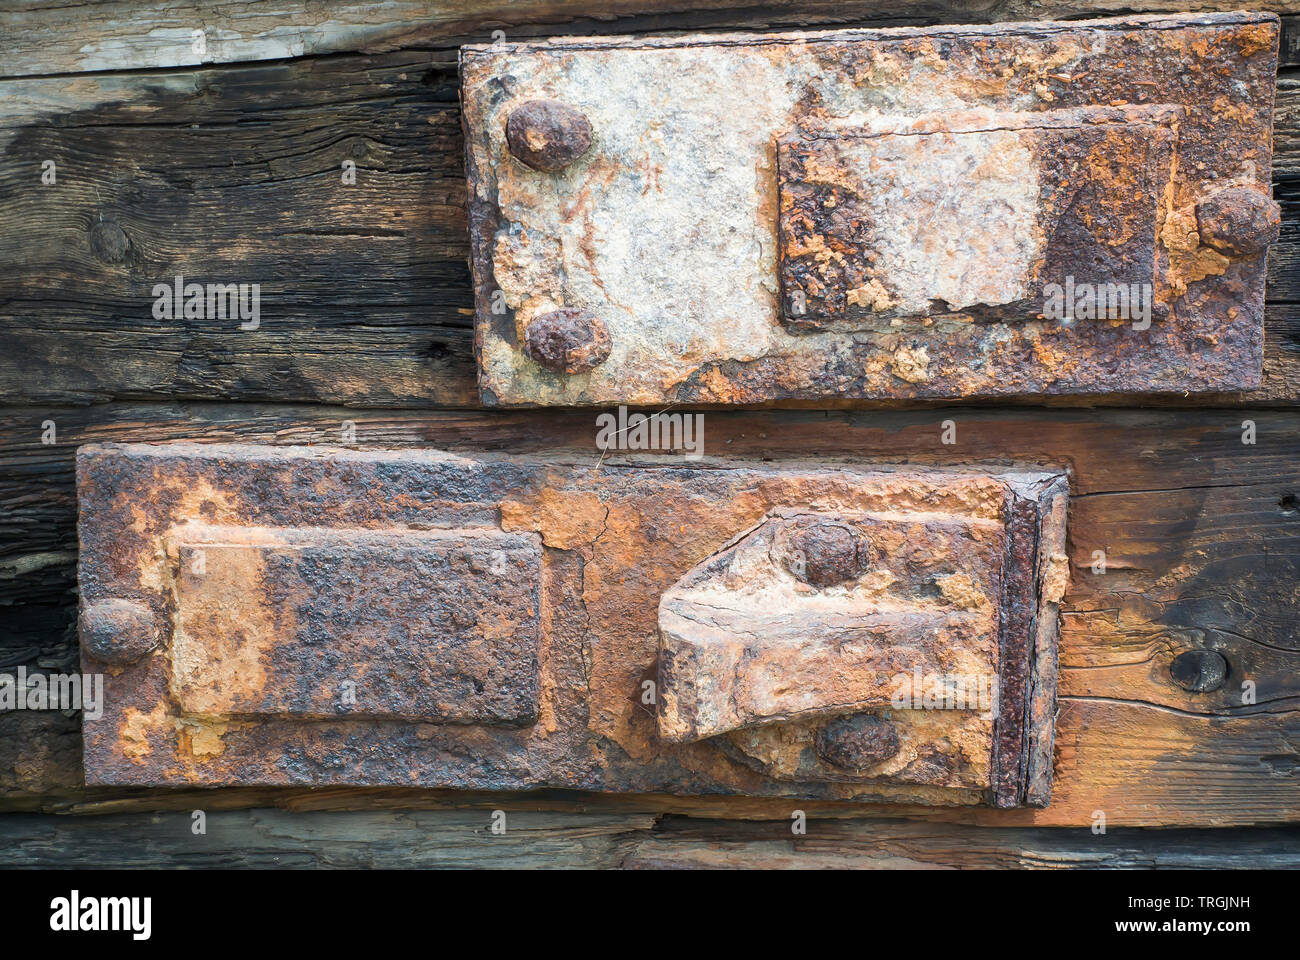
(1238, 221)
(547, 135)
(567, 340)
(566, 520)
(611, 543)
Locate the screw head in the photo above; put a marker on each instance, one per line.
(1238, 221)
(567, 340)
(857, 741)
(117, 631)
(1199, 671)
(547, 135)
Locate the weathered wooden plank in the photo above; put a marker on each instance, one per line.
(238, 177)
(39, 38)
(272, 838)
(235, 175)
(682, 842)
(1201, 534)
(444, 839)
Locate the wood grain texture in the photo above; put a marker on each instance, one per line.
(41, 37)
(235, 175)
(1201, 534)
(449, 839)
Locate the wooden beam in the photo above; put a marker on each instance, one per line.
(236, 175)
(1201, 535)
(533, 838)
(39, 38)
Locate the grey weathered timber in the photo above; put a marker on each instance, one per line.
(451, 839)
(36, 38)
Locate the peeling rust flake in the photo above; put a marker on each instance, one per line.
(1017, 210)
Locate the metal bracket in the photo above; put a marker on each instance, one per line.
(1007, 211)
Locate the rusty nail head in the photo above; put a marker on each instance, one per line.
(547, 135)
(1199, 671)
(118, 631)
(824, 553)
(567, 340)
(1238, 221)
(857, 741)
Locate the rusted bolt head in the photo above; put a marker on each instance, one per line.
(118, 631)
(857, 742)
(567, 340)
(547, 135)
(824, 553)
(1238, 221)
(1199, 671)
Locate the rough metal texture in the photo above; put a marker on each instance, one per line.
(1078, 148)
(969, 214)
(497, 617)
(1238, 221)
(750, 641)
(118, 631)
(858, 742)
(431, 625)
(567, 340)
(546, 135)
(744, 642)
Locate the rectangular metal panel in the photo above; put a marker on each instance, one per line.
(429, 625)
(627, 199)
(970, 216)
(494, 621)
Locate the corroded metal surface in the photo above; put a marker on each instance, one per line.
(398, 617)
(547, 135)
(881, 214)
(968, 215)
(745, 642)
(430, 625)
(567, 340)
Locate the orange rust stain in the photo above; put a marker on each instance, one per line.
(1188, 260)
(136, 728)
(1255, 38)
(202, 738)
(225, 631)
(566, 519)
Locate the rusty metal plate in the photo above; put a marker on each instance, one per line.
(289, 615)
(867, 218)
(430, 625)
(1043, 208)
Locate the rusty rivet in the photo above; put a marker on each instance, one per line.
(1199, 671)
(567, 340)
(547, 135)
(824, 553)
(1238, 221)
(857, 742)
(118, 631)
